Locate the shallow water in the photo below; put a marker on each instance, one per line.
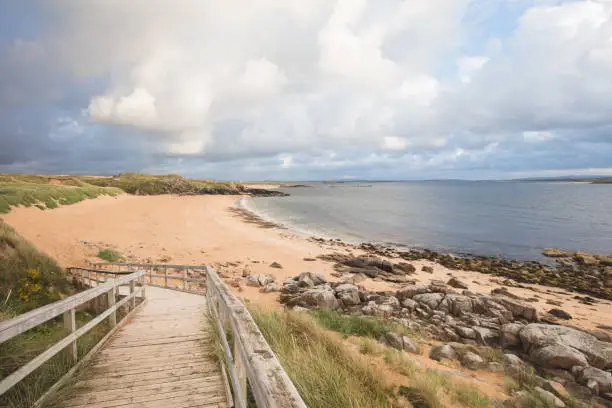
(512, 219)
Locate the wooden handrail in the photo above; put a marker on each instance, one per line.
(20, 324)
(252, 358)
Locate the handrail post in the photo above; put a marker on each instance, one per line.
(70, 325)
(165, 277)
(143, 283)
(111, 303)
(133, 300)
(185, 279)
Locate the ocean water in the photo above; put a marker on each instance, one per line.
(511, 219)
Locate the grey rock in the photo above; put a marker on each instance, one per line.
(394, 340)
(270, 287)
(549, 397)
(459, 305)
(558, 356)
(320, 297)
(486, 337)
(348, 294)
(578, 390)
(409, 304)
(597, 353)
(374, 309)
(427, 269)
(276, 265)
(412, 290)
(518, 308)
(410, 345)
(472, 361)
(603, 379)
(466, 332)
(290, 288)
(432, 300)
(253, 280)
(513, 360)
(557, 388)
(509, 335)
(561, 314)
(456, 283)
(495, 367)
(444, 352)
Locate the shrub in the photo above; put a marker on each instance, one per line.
(109, 255)
(353, 325)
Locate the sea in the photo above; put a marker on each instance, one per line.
(514, 220)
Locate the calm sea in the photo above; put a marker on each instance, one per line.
(512, 219)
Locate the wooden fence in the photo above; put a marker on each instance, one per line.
(109, 291)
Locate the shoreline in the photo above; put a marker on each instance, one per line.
(208, 230)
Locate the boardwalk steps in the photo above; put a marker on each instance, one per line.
(162, 353)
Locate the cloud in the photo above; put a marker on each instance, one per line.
(296, 88)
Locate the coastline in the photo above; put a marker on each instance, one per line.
(207, 229)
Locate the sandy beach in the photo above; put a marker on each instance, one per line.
(205, 230)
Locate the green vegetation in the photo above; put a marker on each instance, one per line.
(109, 255)
(324, 371)
(143, 184)
(46, 191)
(429, 386)
(355, 325)
(29, 278)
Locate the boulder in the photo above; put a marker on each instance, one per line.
(410, 345)
(495, 367)
(456, 283)
(427, 269)
(409, 291)
(518, 308)
(270, 287)
(486, 337)
(472, 361)
(556, 253)
(404, 267)
(253, 280)
(509, 335)
(320, 297)
(597, 353)
(348, 294)
(561, 314)
(513, 360)
(276, 265)
(549, 397)
(603, 379)
(556, 388)
(444, 352)
(290, 287)
(466, 332)
(432, 300)
(374, 309)
(459, 305)
(315, 278)
(558, 356)
(394, 340)
(409, 304)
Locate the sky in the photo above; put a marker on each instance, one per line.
(307, 89)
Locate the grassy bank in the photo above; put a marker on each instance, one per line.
(28, 278)
(325, 373)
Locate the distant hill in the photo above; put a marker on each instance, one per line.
(576, 179)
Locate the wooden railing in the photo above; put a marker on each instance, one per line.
(186, 278)
(105, 294)
(250, 359)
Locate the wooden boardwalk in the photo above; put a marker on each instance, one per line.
(158, 359)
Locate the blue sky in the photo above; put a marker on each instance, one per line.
(317, 89)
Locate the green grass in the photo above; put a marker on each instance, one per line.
(109, 255)
(325, 373)
(28, 191)
(355, 325)
(28, 278)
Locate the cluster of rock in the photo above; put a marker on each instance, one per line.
(461, 316)
(576, 271)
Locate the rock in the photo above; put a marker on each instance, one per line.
(313, 279)
(519, 399)
(509, 335)
(597, 353)
(578, 390)
(374, 309)
(276, 265)
(495, 367)
(405, 267)
(309, 259)
(427, 269)
(459, 305)
(258, 280)
(557, 389)
(410, 291)
(601, 335)
(394, 340)
(410, 345)
(466, 332)
(512, 360)
(586, 259)
(290, 287)
(348, 294)
(561, 314)
(603, 379)
(472, 361)
(556, 253)
(320, 297)
(518, 308)
(549, 397)
(558, 356)
(486, 337)
(270, 287)
(409, 304)
(432, 300)
(444, 352)
(456, 283)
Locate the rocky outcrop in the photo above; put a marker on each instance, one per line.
(444, 352)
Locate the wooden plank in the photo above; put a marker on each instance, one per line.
(13, 327)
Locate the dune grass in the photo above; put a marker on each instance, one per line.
(109, 255)
(325, 373)
(28, 278)
(356, 325)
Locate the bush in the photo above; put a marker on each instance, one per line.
(109, 255)
(354, 325)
